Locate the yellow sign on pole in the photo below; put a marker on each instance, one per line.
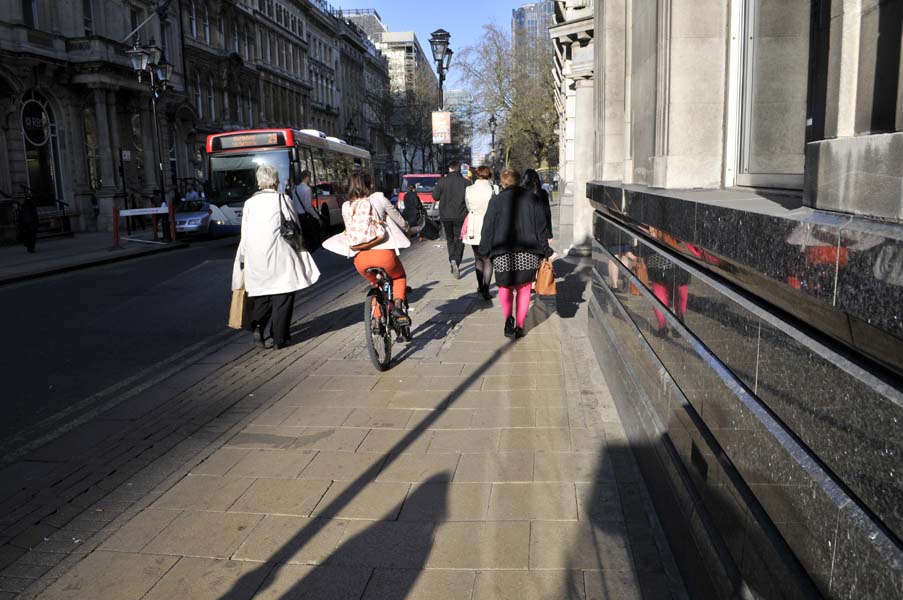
(441, 127)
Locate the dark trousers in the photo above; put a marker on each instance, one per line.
(453, 240)
(277, 308)
(482, 266)
(29, 236)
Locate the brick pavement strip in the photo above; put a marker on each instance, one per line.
(474, 468)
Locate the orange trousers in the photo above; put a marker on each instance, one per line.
(389, 262)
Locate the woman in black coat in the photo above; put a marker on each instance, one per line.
(533, 183)
(514, 236)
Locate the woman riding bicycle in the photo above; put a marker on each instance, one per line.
(385, 254)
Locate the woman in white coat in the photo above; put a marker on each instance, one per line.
(270, 269)
(477, 197)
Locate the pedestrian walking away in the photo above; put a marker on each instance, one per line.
(412, 206)
(385, 254)
(270, 268)
(28, 224)
(449, 193)
(514, 237)
(477, 198)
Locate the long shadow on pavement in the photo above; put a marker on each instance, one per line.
(334, 508)
(403, 555)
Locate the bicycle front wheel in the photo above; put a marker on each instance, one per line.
(377, 333)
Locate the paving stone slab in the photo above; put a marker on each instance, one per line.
(210, 579)
(140, 530)
(553, 439)
(410, 584)
(314, 583)
(342, 466)
(100, 577)
(379, 418)
(375, 501)
(440, 501)
(580, 545)
(396, 441)
(291, 539)
(615, 585)
(528, 501)
(204, 534)
(500, 466)
(474, 440)
(529, 585)
(330, 439)
(281, 463)
(203, 492)
(486, 545)
(572, 466)
(296, 497)
(419, 467)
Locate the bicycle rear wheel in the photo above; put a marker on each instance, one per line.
(377, 333)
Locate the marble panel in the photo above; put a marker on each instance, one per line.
(861, 543)
(870, 286)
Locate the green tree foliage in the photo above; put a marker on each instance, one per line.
(516, 85)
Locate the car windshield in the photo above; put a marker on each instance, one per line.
(190, 206)
(422, 184)
(233, 177)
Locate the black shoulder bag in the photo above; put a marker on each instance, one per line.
(289, 228)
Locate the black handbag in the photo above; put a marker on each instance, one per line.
(430, 229)
(289, 228)
(310, 232)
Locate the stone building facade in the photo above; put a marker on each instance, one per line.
(77, 128)
(734, 167)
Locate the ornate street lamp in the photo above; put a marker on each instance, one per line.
(442, 54)
(350, 132)
(149, 59)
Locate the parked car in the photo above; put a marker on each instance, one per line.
(197, 217)
(424, 184)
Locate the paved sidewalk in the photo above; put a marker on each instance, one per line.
(476, 468)
(62, 254)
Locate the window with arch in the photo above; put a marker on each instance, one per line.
(239, 109)
(235, 40)
(198, 97)
(211, 100)
(88, 14)
(250, 110)
(247, 45)
(30, 13)
(206, 24)
(193, 19)
(222, 31)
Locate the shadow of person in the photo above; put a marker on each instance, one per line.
(397, 549)
(577, 273)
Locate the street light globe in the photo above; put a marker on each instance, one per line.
(439, 44)
(138, 57)
(448, 57)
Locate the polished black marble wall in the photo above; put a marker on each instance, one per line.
(839, 274)
(781, 436)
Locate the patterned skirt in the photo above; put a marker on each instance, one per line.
(515, 268)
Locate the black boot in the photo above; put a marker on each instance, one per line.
(509, 327)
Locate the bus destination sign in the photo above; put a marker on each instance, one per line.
(249, 140)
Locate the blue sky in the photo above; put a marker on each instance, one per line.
(464, 19)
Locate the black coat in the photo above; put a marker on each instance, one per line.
(412, 204)
(547, 210)
(449, 192)
(515, 222)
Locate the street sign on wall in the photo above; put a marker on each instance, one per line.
(441, 127)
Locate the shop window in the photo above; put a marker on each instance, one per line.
(774, 93)
(879, 68)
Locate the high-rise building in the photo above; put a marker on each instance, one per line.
(531, 23)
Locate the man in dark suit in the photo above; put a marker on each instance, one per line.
(449, 193)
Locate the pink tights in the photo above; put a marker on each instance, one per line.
(663, 293)
(506, 299)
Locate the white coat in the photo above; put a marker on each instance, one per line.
(271, 266)
(386, 213)
(476, 197)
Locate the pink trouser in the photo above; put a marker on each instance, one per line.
(506, 299)
(663, 293)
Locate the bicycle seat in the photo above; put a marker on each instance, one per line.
(377, 271)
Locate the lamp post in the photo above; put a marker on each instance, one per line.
(150, 59)
(350, 132)
(492, 126)
(442, 54)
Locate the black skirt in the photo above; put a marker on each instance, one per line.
(515, 268)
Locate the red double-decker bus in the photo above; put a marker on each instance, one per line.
(233, 158)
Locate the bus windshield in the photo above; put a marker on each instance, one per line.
(233, 177)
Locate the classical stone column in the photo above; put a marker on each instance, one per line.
(107, 166)
(582, 168)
